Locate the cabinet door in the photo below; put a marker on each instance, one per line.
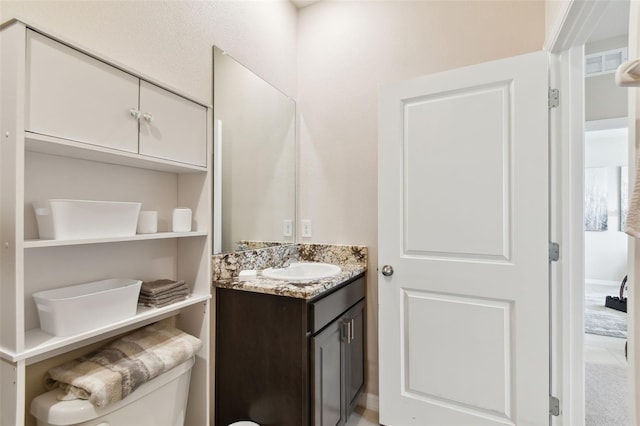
(326, 348)
(354, 356)
(74, 96)
(172, 127)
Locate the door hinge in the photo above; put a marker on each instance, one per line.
(554, 406)
(554, 98)
(554, 252)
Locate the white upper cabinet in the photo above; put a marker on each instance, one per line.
(171, 127)
(74, 96)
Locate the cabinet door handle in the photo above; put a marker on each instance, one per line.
(148, 117)
(351, 326)
(345, 331)
(135, 113)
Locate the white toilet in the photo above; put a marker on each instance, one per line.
(161, 401)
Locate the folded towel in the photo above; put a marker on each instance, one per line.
(633, 217)
(151, 288)
(162, 293)
(114, 371)
(176, 292)
(161, 303)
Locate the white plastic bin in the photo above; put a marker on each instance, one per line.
(83, 219)
(77, 308)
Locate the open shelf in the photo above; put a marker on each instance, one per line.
(36, 243)
(39, 345)
(58, 146)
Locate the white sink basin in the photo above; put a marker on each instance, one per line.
(302, 271)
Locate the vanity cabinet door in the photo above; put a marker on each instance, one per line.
(327, 378)
(74, 96)
(354, 356)
(172, 127)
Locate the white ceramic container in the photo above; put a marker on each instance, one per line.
(181, 219)
(83, 219)
(82, 307)
(147, 222)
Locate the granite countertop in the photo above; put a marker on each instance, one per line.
(297, 289)
(227, 266)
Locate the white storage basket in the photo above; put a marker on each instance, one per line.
(83, 219)
(82, 307)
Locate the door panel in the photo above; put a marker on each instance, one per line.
(171, 126)
(73, 96)
(463, 220)
(446, 133)
(326, 347)
(481, 331)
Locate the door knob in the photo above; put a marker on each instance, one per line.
(387, 270)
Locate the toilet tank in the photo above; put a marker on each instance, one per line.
(159, 402)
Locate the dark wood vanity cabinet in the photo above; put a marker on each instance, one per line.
(338, 363)
(288, 361)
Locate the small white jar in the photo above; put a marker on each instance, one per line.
(147, 222)
(181, 219)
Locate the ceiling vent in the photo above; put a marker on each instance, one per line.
(604, 62)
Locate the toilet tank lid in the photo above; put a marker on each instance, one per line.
(49, 409)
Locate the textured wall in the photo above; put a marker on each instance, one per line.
(346, 50)
(171, 40)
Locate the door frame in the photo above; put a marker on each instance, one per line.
(566, 135)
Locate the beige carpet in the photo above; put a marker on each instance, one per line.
(605, 395)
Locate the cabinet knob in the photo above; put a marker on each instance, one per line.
(387, 270)
(148, 116)
(135, 113)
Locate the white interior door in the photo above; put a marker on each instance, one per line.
(463, 221)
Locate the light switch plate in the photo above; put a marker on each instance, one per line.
(287, 228)
(306, 228)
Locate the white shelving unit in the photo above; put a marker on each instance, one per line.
(158, 156)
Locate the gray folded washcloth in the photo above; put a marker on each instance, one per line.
(164, 302)
(164, 296)
(163, 292)
(153, 288)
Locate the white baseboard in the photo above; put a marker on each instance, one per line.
(369, 402)
(602, 282)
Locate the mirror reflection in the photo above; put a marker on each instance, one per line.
(254, 159)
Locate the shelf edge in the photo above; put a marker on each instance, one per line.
(63, 344)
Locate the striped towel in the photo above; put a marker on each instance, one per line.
(114, 371)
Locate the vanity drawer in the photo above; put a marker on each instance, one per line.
(328, 308)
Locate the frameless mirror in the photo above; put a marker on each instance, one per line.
(254, 159)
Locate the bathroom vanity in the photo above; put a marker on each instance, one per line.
(290, 353)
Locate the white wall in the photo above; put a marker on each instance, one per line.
(606, 252)
(172, 41)
(603, 98)
(347, 50)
